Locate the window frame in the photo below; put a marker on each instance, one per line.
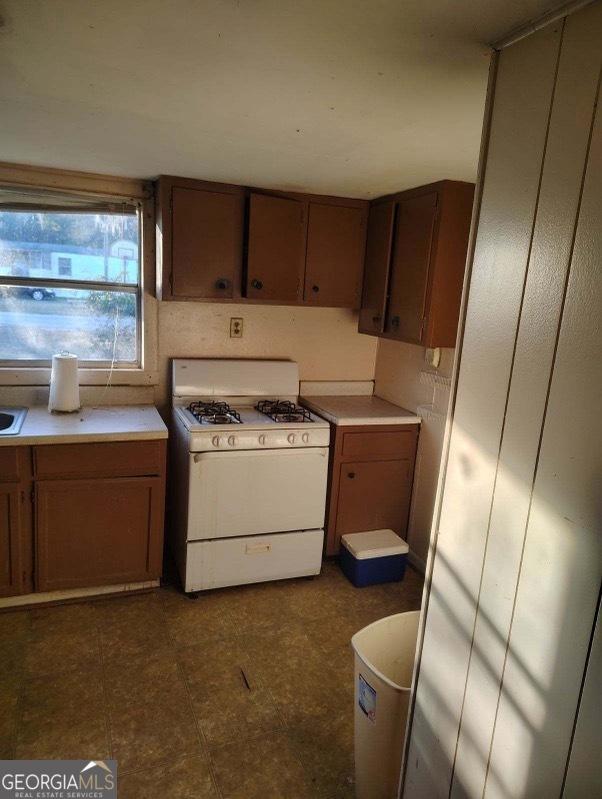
(106, 189)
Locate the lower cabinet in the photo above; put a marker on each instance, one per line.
(15, 521)
(371, 476)
(11, 531)
(373, 495)
(97, 532)
(80, 515)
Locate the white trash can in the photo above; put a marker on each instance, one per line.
(384, 663)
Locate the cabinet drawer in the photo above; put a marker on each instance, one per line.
(390, 444)
(110, 459)
(9, 465)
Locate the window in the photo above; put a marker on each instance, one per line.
(65, 266)
(70, 279)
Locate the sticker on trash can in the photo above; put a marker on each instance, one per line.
(367, 699)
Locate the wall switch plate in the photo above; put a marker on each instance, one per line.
(235, 327)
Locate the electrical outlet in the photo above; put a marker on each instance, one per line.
(235, 327)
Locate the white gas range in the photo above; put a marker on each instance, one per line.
(249, 472)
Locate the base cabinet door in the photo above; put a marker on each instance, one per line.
(16, 535)
(98, 532)
(373, 495)
(11, 532)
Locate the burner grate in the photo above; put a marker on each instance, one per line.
(283, 411)
(214, 413)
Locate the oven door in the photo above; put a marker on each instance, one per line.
(256, 491)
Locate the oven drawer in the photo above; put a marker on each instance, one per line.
(253, 492)
(236, 561)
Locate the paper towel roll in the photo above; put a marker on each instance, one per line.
(64, 384)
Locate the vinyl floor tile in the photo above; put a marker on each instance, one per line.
(61, 639)
(184, 778)
(151, 719)
(145, 736)
(261, 768)
(131, 626)
(326, 753)
(197, 621)
(63, 716)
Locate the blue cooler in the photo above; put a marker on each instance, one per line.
(377, 556)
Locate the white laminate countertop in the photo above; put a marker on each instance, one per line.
(359, 410)
(103, 423)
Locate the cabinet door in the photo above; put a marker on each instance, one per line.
(336, 240)
(97, 532)
(206, 243)
(11, 532)
(376, 269)
(374, 495)
(406, 316)
(276, 253)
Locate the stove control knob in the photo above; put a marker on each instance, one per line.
(262, 439)
(305, 438)
(291, 438)
(232, 441)
(215, 441)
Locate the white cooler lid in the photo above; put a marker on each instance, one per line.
(374, 544)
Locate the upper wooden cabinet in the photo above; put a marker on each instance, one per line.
(407, 312)
(336, 241)
(300, 248)
(416, 255)
(306, 249)
(377, 267)
(199, 239)
(276, 249)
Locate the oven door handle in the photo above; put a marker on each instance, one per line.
(291, 452)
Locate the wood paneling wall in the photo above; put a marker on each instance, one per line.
(516, 568)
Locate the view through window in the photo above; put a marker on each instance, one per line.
(70, 281)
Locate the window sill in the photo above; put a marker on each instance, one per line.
(40, 376)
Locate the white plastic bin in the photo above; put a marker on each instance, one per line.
(384, 662)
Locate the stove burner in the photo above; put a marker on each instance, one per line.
(283, 411)
(214, 413)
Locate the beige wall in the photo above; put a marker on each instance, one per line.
(323, 341)
(402, 376)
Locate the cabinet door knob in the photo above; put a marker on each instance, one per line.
(222, 283)
(351, 475)
(256, 284)
(395, 322)
(315, 288)
(376, 319)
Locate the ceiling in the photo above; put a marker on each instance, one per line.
(330, 96)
